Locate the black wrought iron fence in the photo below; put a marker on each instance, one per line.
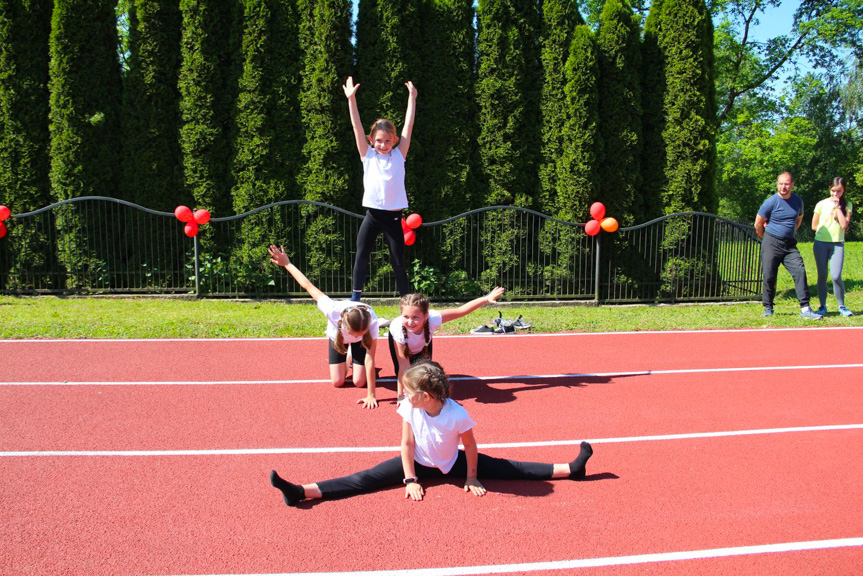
(95, 245)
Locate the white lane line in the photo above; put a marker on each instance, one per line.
(597, 562)
(522, 334)
(517, 378)
(371, 449)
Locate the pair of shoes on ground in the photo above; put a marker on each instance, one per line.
(810, 314)
(807, 313)
(502, 326)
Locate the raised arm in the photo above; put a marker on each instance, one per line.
(410, 114)
(279, 257)
(468, 307)
(359, 133)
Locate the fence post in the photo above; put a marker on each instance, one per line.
(197, 267)
(596, 280)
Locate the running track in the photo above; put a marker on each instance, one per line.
(724, 452)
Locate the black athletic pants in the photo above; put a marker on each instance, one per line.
(775, 251)
(414, 358)
(388, 222)
(391, 473)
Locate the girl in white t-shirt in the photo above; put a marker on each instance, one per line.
(432, 428)
(383, 155)
(348, 324)
(410, 335)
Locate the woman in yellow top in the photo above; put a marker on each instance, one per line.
(830, 221)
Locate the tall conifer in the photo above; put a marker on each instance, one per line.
(653, 178)
(619, 42)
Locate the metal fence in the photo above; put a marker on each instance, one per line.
(95, 245)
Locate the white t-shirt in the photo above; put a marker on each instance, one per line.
(436, 438)
(416, 342)
(333, 309)
(384, 180)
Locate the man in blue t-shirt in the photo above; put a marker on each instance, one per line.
(776, 224)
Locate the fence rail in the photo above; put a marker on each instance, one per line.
(96, 245)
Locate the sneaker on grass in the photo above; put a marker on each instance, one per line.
(483, 330)
(768, 311)
(808, 314)
(845, 311)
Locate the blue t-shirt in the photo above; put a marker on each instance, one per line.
(781, 215)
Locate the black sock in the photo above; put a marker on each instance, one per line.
(292, 493)
(356, 295)
(577, 466)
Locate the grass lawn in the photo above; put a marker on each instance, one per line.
(101, 317)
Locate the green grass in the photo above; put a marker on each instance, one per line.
(100, 317)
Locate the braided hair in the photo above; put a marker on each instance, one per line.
(357, 318)
(428, 377)
(420, 301)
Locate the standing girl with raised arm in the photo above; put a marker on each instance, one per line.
(348, 324)
(383, 155)
(410, 335)
(433, 425)
(830, 222)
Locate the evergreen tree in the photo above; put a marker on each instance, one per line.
(389, 53)
(24, 185)
(154, 170)
(559, 19)
(619, 42)
(443, 167)
(653, 179)
(508, 77)
(689, 134)
(269, 135)
(577, 170)
(207, 92)
(85, 98)
(329, 152)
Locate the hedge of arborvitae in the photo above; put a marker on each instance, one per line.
(151, 114)
(84, 115)
(24, 184)
(619, 44)
(232, 104)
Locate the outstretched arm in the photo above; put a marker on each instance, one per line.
(359, 134)
(280, 258)
(411, 113)
(468, 307)
(413, 490)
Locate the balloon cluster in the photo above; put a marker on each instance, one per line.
(597, 211)
(409, 225)
(4, 214)
(192, 219)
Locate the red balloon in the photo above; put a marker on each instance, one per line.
(2, 229)
(405, 226)
(592, 228)
(191, 229)
(183, 213)
(609, 224)
(414, 220)
(4, 213)
(202, 216)
(597, 210)
(410, 238)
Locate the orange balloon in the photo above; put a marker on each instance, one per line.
(609, 224)
(410, 238)
(592, 228)
(597, 210)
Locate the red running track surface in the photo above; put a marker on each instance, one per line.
(135, 505)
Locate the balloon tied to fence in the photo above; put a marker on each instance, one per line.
(409, 225)
(4, 215)
(192, 219)
(597, 211)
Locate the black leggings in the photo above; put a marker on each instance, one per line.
(390, 223)
(391, 473)
(414, 358)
